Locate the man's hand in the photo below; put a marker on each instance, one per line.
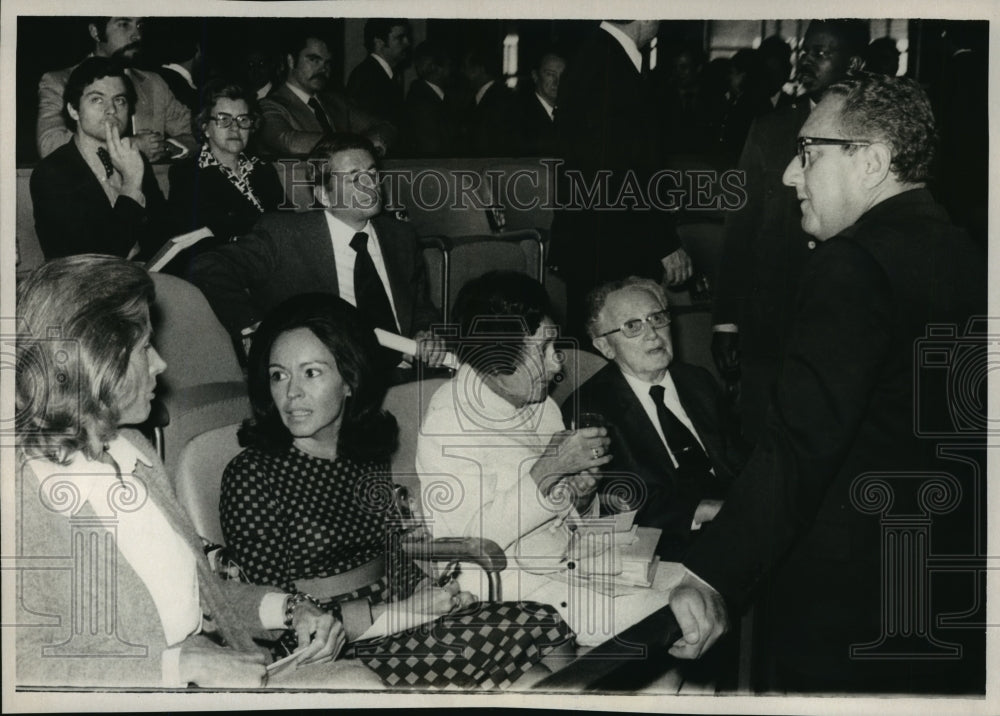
(320, 636)
(430, 349)
(125, 157)
(726, 353)
(151, 143)
(209, 665)
(677, 267)
(701, 615)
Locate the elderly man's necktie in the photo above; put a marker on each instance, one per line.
(369, 293)
(691, 458)
(105, 158)
(321, 117)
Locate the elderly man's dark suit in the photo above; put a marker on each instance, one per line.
(608, 120)
(666, 498)
(289, 126)
(842, 416)
(376, 91)
(73, 214)
(289, 253)
(764, 252)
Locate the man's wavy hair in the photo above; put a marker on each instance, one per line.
(366, 431)
(894, 110)
(79, 318)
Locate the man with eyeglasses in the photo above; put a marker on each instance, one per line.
(351, 248)
(157, 114)
(765, 248)
(844, 455)
(673, 458)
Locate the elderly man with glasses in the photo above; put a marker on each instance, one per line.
(673, 457)
(849, 496)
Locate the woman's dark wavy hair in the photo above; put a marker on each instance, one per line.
(366, 432)
(496, 313)
(223, 88)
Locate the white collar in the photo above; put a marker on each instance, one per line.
(627, 43)
(262, 92)
(641, 387)
(482, 91)
(301, 94)
(437, 90)
(549, 108)
(385, 65)
(182, 71)
(339, 229)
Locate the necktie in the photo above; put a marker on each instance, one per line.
(317, 109)
(369, 293)
(105, 158)
(691, 458)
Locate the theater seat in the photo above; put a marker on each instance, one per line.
(203, 386)
(578, 366)
(198, 478)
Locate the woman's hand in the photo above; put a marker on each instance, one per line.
(207, 664)
(320, 636)
(433, 601)
(570, 452)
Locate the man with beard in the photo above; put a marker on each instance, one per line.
(765, 247)
(157, 116)
(303, 111)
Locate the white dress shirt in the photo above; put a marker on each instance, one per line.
(627, 43)
(670, 399)
(344, 256)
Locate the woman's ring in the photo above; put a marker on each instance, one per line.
(596, 452)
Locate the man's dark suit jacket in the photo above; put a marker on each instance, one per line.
(763, 256)
(608, 120)
(430, 128)
(205, 197)
(290, 128)
(540, 138)
(664, 499)
(289, 253)
(376, 91)
(495, 123)
(804, 511)
(73, 214)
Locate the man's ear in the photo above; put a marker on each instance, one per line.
(289, 62)
(877, 164)
(71, 110)
(94, 34)
(604, 346)
(855, 64)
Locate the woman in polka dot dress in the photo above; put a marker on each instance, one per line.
(307, 507)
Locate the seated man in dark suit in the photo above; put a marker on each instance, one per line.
(670, 445)
(377, 82)
(97, 193)
(368, 259)
(297, 115)
(430, 128)
(540, 106)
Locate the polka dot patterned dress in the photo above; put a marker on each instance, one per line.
(292, 516)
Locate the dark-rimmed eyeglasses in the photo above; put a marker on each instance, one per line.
(225, 121)
(633, 326)
(804, 142)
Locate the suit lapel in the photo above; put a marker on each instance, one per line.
(643, 436)
(313, 234)
(696, 405)
(299, 110)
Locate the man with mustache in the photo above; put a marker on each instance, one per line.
(157, 114)
(300, 113)
(765, 247)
